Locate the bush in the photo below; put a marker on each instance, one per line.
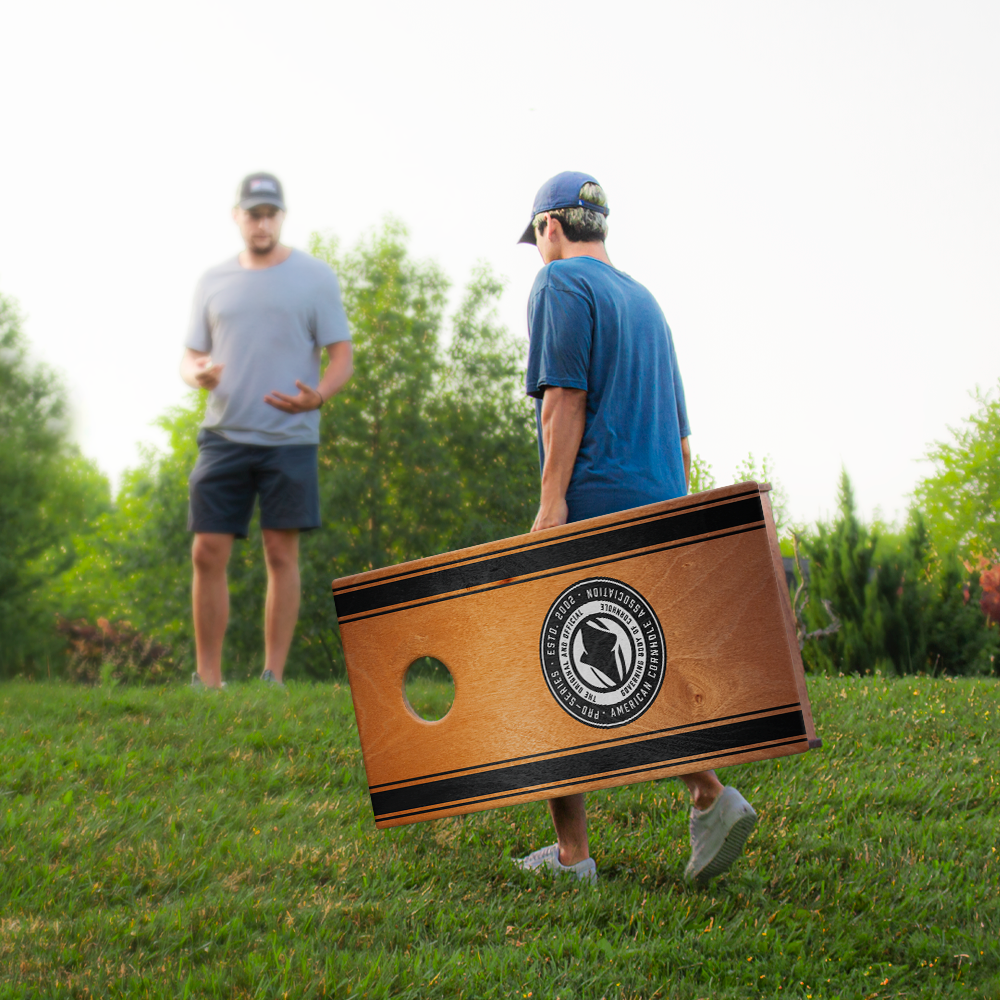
(904, 607)
(120, 653)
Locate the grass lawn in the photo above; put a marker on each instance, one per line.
(175, 843)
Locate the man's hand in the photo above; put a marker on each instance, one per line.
(307, 399)
(199, 371)
(338, 371)
(208, 375)
(551, 515)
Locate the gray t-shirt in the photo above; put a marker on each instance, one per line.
(267, 327)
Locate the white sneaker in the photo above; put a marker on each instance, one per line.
(197, 682)
(548, 857)
(718, 835)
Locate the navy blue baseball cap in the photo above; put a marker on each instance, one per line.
(561, 191)
(261, 189)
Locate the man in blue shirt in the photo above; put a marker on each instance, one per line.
(612, 435)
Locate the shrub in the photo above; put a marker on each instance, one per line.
(119, 653)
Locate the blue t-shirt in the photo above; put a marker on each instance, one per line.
(594, 328)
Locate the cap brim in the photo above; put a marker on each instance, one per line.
(262, 199)
(528, 236)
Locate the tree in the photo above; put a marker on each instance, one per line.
(426, 449)
(748, 470)
(903, 606)
(961, 500)
(135, 564)
(49, 493)
(702, 477)
(489, 424)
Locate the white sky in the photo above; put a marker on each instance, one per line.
(810, 190)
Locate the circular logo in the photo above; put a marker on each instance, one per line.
(602, 652)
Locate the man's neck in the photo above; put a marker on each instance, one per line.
(278, 254)
(594, 248)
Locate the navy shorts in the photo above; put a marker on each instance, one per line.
(228, 476)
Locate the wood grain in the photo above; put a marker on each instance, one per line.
(731, 689)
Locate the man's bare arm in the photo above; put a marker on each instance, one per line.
(198, 371)
(564, 416)
(686, 455)
(338, 371)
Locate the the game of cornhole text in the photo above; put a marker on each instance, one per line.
(654, 642)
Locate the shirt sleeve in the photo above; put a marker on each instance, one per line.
(331, 323)
(199, 335)
(560, 327)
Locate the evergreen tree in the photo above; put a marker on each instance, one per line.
(903, 607)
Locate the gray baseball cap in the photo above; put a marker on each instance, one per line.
(261, 189)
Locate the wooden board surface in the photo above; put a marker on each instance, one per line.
(653, 642)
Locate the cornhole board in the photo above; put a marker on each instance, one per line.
(653, 642)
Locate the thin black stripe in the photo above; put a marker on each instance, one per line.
(537, 544)
(542, 576)
(583, 781)
(771, 709)
(575, 550)
(591, 764)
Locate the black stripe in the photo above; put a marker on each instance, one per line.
(607, 561)
(547, 557)
(592, 764)
(403, 571)
(773, 710)
(583, 781)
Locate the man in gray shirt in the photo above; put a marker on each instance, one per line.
(259, 323)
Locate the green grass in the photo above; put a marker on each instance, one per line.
(172, 843)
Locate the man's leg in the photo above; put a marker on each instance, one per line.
(704, 787)
(571, 853)
(281, 612)
(210, 602)
(569, 817)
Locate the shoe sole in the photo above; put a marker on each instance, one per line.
(732, 848)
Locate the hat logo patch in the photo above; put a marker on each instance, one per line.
(263, 184)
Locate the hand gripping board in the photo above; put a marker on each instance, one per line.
(653, 642)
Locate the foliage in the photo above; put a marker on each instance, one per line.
(135, 565)
(961, 500)
(702, 478)
(173, 842)
(115, 653)
(749, 471)
(989, 583)
(49, 494)
(904, 607)
(426, 449)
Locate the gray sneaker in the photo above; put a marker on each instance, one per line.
(718, 835)
(197, 682)
(548, 857)
(268, 678)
